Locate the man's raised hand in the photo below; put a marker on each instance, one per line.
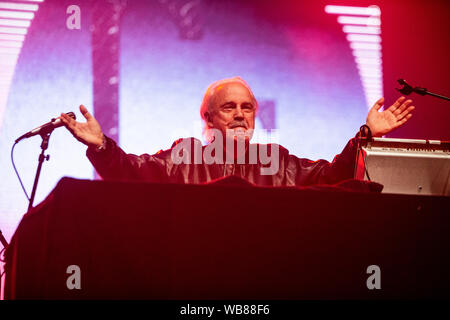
(88, 133)
(381, 123)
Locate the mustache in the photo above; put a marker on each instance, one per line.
(238, 124)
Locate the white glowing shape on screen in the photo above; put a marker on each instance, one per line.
(362, 26)
(15, 19)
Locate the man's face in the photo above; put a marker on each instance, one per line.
(232, 108)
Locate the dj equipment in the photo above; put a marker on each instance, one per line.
(405, 166)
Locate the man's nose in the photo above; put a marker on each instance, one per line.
(238, 115)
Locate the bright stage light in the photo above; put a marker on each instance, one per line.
(16, 14)
(364, 38)
(370, 54)
(18, 6)
(9, 50)
(371, 83)
(10, 44)
(367, 80)
(365, 21)
(13, 37)
(367, 66)
(6, 59)
(374, 90)
(10, 73)
(365, 46)
(5, 81)
(9, 30)
(367, 75)
(368, 61)
(374, 96)
(361, 29)
(370, 74)
(363, 11)
(370, 86)
(15, 23)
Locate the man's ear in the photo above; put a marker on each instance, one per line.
(208, 118)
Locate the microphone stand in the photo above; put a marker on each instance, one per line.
(44, 145)
(407, 89)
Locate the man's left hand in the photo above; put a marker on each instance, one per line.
(381, 123)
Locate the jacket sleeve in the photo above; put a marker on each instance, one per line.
(114, 164)
(307, 172)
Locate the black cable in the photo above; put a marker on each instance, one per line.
(367, 135)
(17, 173)
(362, 134)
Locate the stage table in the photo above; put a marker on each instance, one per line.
(168, 241)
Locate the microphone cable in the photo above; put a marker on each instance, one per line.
(17, 173)
(362, 133)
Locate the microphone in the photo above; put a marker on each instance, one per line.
(46, 128)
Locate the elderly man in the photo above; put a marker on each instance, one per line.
(228, 109)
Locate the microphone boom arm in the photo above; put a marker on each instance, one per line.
(408, 89)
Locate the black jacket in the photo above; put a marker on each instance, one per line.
(114, 164)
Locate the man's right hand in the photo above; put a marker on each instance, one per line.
(88, 132)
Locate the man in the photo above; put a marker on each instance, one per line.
(228, 109)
